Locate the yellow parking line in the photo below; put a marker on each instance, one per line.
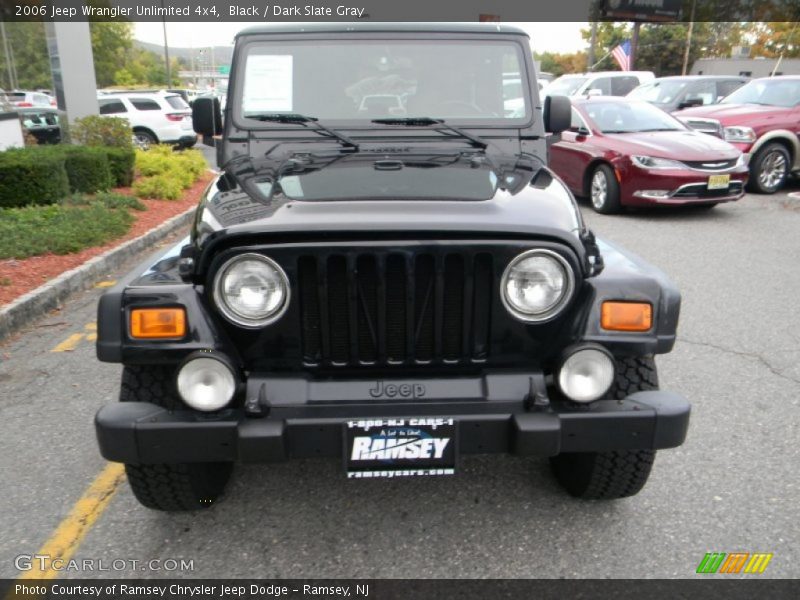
(91, 337)
(68, 345)
(106, 284)
(70, 533)
(91, 326)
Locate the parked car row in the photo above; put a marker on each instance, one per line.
(632, 152)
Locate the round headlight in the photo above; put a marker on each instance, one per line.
(206, 383)
(251, 290)
(587, 374)
(536, 285)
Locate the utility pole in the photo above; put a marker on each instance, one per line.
(635, 44)
(7, 52)
(592, 44)
(688, 40)
(166, 48)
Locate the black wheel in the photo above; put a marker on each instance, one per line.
(604, 190)
(169, 487)
(144, 139)
(769, 169)
(619, 473)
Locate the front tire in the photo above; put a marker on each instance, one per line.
(169, 487)
(769, 169)
(604, 191)
(618, 473)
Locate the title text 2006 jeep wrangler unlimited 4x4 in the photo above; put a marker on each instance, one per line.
(386, 272)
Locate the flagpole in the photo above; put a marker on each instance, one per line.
(605, 56)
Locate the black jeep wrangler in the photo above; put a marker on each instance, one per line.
(386, 272)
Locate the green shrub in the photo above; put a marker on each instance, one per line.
(95, 130)
(107, 199)
(87, 168)
(162, 159)
(164, 172)
(120, 162)
(164, 187)
(35, 230)
(30, 176)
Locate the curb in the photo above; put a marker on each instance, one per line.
(52, 294)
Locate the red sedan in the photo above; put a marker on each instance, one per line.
(622, 152)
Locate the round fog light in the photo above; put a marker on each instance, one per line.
(587, 374)
(206, 383)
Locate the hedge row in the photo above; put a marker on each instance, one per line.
(43, 175)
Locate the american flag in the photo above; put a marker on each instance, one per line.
(622, 54)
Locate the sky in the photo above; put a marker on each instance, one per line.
(545, 37)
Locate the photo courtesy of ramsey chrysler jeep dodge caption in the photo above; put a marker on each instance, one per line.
(386, 272)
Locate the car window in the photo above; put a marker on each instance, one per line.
(111, 107)
(705, 91)
(769, 92)
(363, 80)
(629, 117)
(724, 88)
(620, 86)
(566, 85)
(144, 104)
(659, 91)
(601, 83)
(577, 124)
(177, 102)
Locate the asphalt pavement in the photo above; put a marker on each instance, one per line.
(733, 486)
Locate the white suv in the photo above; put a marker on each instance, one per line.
(600, 83)
(154, 117)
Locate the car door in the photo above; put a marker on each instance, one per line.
(570, 156)
(150, 114)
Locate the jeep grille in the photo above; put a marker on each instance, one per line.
(391, 308)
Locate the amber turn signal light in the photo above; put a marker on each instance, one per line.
(626, 316)
(154, 323)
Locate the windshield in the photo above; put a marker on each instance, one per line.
(565, 85)
(659, 92)
(629, 117)
(363, 79)
(772, 92)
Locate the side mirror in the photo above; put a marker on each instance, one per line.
(557, 114)
(207, 117)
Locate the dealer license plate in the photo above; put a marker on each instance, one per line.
(400, 447)
(719, 182)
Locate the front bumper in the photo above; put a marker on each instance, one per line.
(144, 433)
(680, 187)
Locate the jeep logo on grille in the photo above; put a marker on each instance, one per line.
(397, 390)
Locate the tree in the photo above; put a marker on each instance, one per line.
(112, 43)
(29, 53)
(772, 39)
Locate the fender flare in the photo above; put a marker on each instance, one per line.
(783, 135)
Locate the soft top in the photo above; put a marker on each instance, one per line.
(351, 27)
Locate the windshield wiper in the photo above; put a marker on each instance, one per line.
(427, 122)
(659, 129)
(311, 122)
